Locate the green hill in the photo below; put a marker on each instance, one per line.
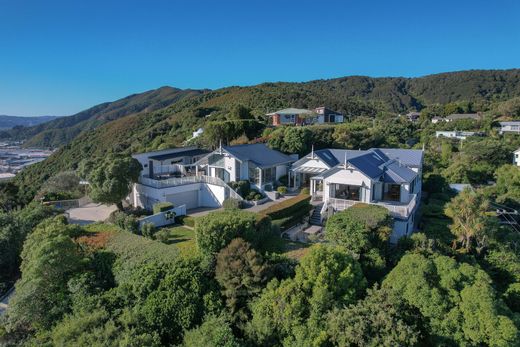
(62, 130)
(131, 126)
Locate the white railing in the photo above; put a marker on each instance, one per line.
(179, 181)
(399, 210)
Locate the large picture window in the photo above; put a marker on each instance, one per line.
(346, 192)
(268, 175)
(392, 192)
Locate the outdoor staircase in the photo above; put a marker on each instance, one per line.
(316, 215)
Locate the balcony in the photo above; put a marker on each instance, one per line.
(396, 209)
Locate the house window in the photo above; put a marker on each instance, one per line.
(216, 160)
(253, 174)
(268, 175)
(237, 171)
(346, 192)
(392, 192)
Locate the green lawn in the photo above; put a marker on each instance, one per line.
(183, 238)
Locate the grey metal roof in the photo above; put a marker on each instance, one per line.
(180, 154)
(510, 123)
(333, 157)
(396, 173)
(292, 110)
(408, 157)
(259, 154)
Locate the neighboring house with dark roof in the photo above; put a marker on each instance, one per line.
(510, 127)
(388, 177)
(457, 116)
(199, 178)
(297, 116)
(413, 116)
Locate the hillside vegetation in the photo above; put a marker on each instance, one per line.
(126, 130)
(62, 130)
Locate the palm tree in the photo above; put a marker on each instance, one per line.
(468, 212)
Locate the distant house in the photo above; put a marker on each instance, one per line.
(197, 178)
(516, 157)
(297, 116)
(457, 116)
(459, 135)
(197, 133)
(413, 116)
(437, 119)
(510, 127)
(388, 177)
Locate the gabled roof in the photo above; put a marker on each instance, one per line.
(259, 154)
(332, 157)
(397, 173)
(292, 111)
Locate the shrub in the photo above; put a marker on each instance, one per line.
(215, 230)
(125, 222)
(162, 235)
(186, 220)
(282, 189)
(241, 187)
(257, 197)
(289, 207)
(162, 206)
(305, 191)
(148, 230)
(231, 203)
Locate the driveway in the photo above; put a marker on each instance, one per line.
(90, 213)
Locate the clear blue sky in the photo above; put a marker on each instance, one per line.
(60, 57)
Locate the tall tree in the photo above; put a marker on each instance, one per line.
(241, 272)
(110, 180)
(468, 212)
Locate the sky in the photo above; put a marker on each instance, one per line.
(61, 57)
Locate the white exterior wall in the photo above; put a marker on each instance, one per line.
(209, 195)
(352, 177)
(516, 158)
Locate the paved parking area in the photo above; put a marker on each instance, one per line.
(90, 213)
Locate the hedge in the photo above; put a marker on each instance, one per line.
(161, 207)
(289, 207)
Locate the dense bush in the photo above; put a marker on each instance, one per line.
(162, 207)
(125, 221)
(148, 230)
(305, 191)
(241, 187)
(215, 230)
(232, 204)
(186, 220)
(282, 190)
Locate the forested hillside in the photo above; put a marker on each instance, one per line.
(61, 131)
(126, 130)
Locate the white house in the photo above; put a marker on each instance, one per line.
(459, 135)
(516, 157)
(383, 176)
(510, 127)
(257, 163)
(198, 178)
